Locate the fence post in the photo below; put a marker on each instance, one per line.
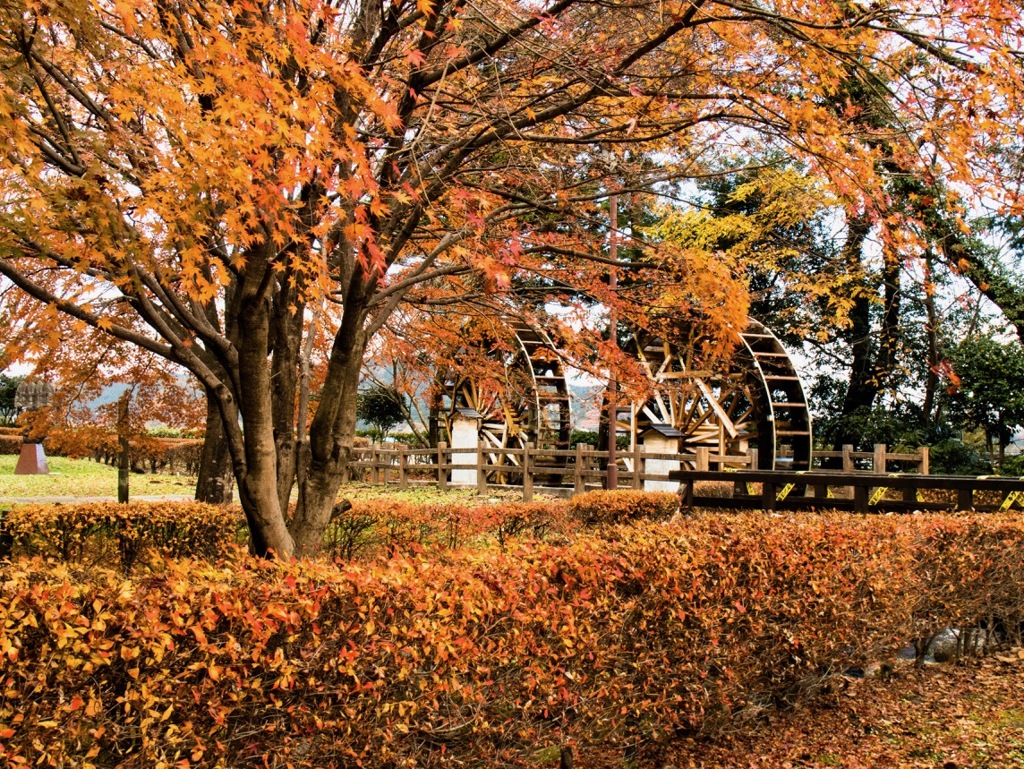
(878, 460)
(481, 476)
(527, 474)
(579, 484)
(703, 461)
(442, 472)
(922, 465)
(374, 465)
(847, 458)
(638, 467)
(403, 467)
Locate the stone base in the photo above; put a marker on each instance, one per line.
(32, 460)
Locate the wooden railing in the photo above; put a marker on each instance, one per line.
(859, 492)
(875, 461)
(578, 469)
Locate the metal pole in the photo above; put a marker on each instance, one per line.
(613, 324)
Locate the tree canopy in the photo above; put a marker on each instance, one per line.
(383, 407)
(218, 183)
(985, 387)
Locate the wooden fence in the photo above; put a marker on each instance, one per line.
(579, 469)
(859, 492)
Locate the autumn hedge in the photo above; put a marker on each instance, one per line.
(148, 453)
(106, 533)
(383, 525)
(611, 643)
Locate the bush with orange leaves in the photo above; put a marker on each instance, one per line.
(106, 533)
(621, 506)
(610, 643)
(382, 526)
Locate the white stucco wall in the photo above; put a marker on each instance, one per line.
(465, 435)
(655, 443)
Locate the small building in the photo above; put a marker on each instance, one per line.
(661, 439)
(465, 437)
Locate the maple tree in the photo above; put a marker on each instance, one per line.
(96, 376)
(238, 175)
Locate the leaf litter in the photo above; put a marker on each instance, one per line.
(968, 715)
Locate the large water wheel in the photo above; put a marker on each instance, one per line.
(519, 397)
(756, 400)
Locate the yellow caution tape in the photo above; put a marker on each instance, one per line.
(784, 492)
(1012, 497)
(877, 495)
(750, 489)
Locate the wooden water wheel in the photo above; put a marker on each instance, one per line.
(520, 398)
(755, 401)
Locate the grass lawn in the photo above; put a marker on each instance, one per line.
(86, 478)
(83, 478)
(428, 494)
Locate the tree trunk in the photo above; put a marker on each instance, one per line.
(889, 339)
(257, 475)
(287, 339)
(215, 481)
(931, 382)
(331, 436)
(124, 450)
(863, 387)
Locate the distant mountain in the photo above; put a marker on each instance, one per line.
(585, 401)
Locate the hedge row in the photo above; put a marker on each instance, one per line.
(609, 644)
(373, 527)
(116, 535)
(106, 533)
(148, 453)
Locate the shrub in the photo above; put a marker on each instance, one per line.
(380, 526)
(1012, 466)
(10, 444)
(117, 535)
(477, 659)
(621, 506)
(954, 457)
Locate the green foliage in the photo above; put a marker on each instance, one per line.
(163, 431)
(408, 438)
(593, 438)
(382, 407)
(1013, 466)
(8, 389)
(988, 394)
(951, 456)
(896, 425)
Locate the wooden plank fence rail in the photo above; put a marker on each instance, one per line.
(578, 469)
(865, 492)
